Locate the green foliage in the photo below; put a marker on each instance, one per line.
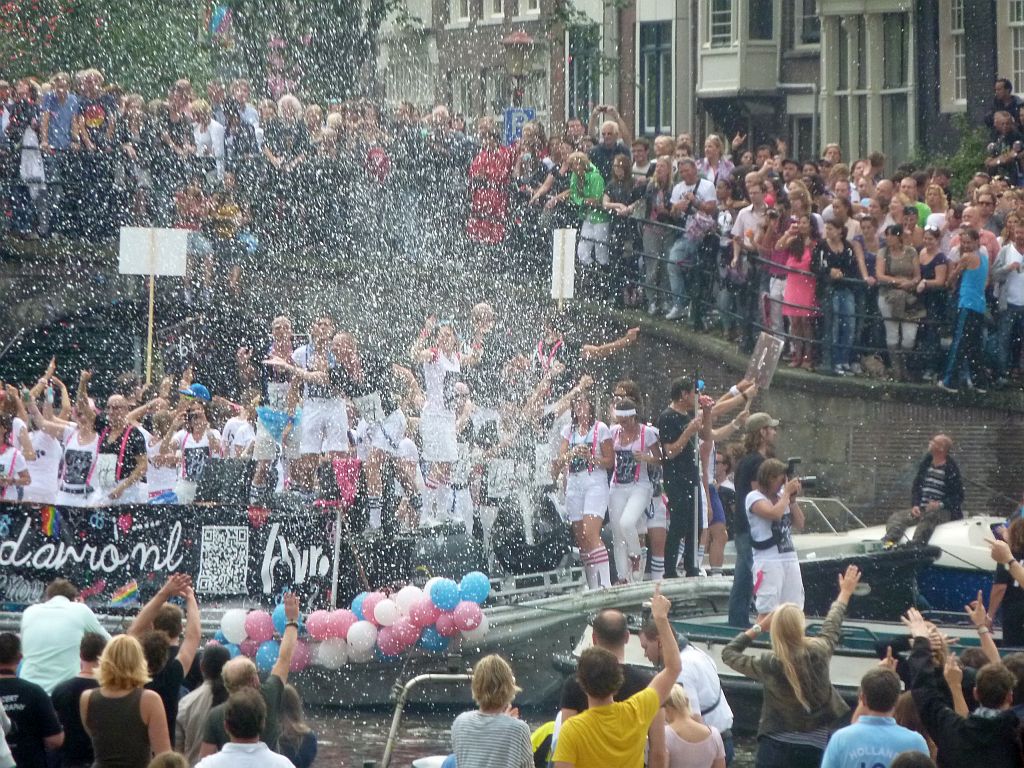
(968, 159)
(143, 45)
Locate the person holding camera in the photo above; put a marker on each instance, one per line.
(773, 513)
(1004, 151)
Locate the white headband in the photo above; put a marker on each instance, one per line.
(623, 414)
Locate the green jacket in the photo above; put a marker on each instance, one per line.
(781, 712)
(593, 189)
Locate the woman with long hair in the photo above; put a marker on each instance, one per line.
(126, 723)
(621, 197)
(14, 474)
(932, 290)
(689, 742)
(799, 302)
(297, 741)
(898, 271)
(715, 166)
(585, 455)
(657, 235)
(800, 708)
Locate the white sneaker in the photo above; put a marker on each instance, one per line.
(675, 313)
(652, 308)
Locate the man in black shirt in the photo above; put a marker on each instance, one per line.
(35, 728)
(676, 430)
(76, 752)
(611, 633)
(759, 443)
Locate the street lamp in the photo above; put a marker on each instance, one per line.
(518, 47)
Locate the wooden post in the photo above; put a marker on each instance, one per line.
(149, 337)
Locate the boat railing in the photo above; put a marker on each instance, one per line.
(827, 514)
(402, 698)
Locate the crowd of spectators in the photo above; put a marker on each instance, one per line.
(856, 262)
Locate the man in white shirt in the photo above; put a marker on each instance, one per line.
(1007, 275)
(691, 197)
(51, 633)
(244, 718)
(699, 677)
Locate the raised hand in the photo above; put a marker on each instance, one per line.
(849, 580)
(291, 606)
(976, 612)
(1000, 551)
(890, 661)
(915, 622)
(660, 604)
(953, 672)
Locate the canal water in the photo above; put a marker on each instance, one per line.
(354, 739)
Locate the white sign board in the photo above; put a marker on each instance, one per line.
(153, 251)
(563, 264)
(764, 361)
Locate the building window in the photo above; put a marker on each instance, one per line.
(533, 6)
(720, 23)
(583, 71)
(460, 10)
(496, 8)
(956, 33)
(760, 19)
(654, 114)
(808, 25)
(1016, 41)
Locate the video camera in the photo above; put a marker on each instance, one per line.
(806, 481)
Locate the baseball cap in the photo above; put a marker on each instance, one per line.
(197, 391)
(758, 421)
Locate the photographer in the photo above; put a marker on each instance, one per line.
(1004, 151)
(694, 202)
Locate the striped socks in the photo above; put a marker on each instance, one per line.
(595, 566)
(657, 568)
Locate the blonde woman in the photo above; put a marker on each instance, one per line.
(125, 722)
(690, 743)
(801, 707)
(492, 736)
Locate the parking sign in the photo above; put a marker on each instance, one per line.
(515, 119)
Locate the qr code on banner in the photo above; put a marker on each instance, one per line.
(223, 560)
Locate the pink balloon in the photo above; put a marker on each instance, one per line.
(302, 656)
(316, 624)
(338, 623)
(211, 641)
(249, 647)
(467, 615)
(424, 613)
(389, 642)
(406, 631)
(370, 603)
(446, 625)
(259, 626)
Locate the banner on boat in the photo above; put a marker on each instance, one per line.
(118, 556)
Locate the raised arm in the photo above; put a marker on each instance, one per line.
(979, 618)
(193, 631)
(175, 585)
(419, 352)
(289, 638)
(601, 351)
(666, 678)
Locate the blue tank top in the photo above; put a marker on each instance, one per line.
(972, 286)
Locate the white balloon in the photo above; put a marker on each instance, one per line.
(232, 624)
(478, 634)
(332, 653)
(407, 597)
(360, 657)
(362, 637)
(386, 612)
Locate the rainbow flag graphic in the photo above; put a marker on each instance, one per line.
(126, 594)
(49, 521)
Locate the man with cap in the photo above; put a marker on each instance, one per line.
(699, 677)
(758, 444)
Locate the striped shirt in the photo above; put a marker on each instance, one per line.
(491, 741)
(933, 488)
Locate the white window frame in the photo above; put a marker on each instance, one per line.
(952, 53)
(497, 8)
(532, 6)
(716, 26)
(668, 89)
(1015, 26)
(798, 26)
(461, 10)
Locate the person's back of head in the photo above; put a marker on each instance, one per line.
(880, 689)
(10, 649)
(993, 687)
(245, 715)
(494, 685)
(912, 760)
(1015, 663)
(155, 648)
(168, 620)
(61, 588)
(610, 630)
(123, 664)
(91, 647)
(599, 673)
(239, 673)
(169, 760)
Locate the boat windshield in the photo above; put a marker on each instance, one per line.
(828, 515)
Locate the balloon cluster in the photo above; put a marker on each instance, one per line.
(252, 634)
(383, 626)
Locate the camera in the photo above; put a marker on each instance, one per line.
(806, 481)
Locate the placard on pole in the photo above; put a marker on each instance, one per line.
(563, 265)
(152, 251)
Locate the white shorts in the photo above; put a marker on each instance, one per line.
(386, 435)
(777, 582)
(586, 495)
(324, 426)
(185, 490)
(265, 447)
(437, 435)
(656, 516)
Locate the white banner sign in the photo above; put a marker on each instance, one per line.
(153, 251)
(563, 264)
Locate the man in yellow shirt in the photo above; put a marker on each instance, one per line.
(611, 733)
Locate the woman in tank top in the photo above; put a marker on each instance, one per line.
(125, 722)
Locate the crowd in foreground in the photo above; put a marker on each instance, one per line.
(857, 262)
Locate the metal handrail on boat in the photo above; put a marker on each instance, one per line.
(403, 698)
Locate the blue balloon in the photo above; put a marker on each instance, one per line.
(219, 637)
(381, 656)
(431, 640)
(266, 655)
(233, 649)
(445, 594)
(475, 587)
(357, 605)
(279, 618)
